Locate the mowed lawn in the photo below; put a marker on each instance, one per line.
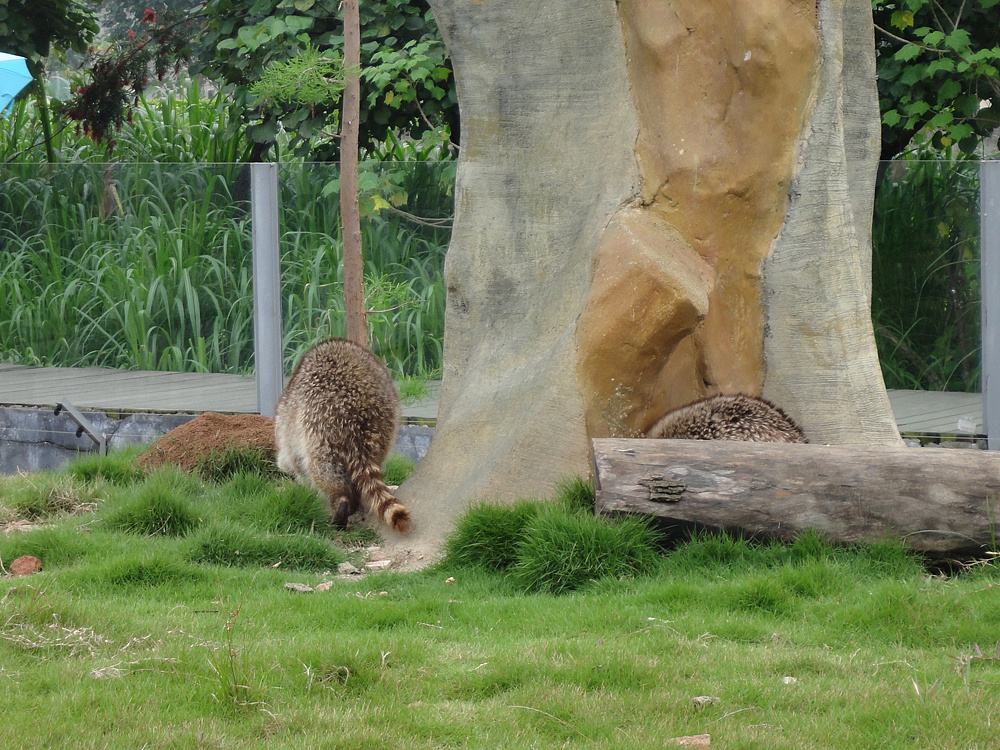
(133, 636)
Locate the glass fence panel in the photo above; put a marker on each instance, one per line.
(406, 215)
(925, 275)
(137, 267)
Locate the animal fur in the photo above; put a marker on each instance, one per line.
(336, 421)
(738, 417)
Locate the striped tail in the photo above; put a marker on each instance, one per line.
(375, 496)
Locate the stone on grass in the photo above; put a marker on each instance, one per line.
(347, 569)
(703, 701)
(378, 564)
(25, 565)
(325, 586)
(695, 740)
(299, 587)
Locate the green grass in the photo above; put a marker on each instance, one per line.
(223, 655)
(220, 466)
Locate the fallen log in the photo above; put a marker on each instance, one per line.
(942, 503)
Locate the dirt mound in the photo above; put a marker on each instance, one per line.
(186, 444)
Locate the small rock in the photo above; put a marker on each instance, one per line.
(378, 564)
(789, 680)
(347, 569)
(696, 740)
(325, 586)
(383, 593)
(106, 673)
(299, 587)
(703, 701)
(25, 565)
(449, 579)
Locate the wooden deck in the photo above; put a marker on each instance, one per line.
(137, 390)
(917, 412)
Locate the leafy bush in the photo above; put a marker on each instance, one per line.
(237, 546)
(488, 535)
(220, 466)
(153, 508)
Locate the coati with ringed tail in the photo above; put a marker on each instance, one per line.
(336, 421)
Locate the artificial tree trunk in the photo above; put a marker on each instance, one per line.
(655, 202)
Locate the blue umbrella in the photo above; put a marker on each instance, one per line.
(14, 76)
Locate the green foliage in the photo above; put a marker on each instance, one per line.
(401, 54)
(937, 62)
(925, 275)
(397, 468)
(154, 508)
(311, 77)
(488, 535)
(236, 546)
(32, 28)
(220, 466)
(562, 552)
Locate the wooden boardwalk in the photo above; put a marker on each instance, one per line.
(917, 412)
(160, 392)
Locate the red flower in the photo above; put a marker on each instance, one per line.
(131, 34)
(149, 16)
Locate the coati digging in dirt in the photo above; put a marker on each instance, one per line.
(335, 423)
(738, 417)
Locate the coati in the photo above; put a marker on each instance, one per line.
(336, 421)
(738, 417)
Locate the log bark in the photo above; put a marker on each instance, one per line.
(941, 503)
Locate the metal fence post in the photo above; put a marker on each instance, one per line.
(266, 285)
(989, 211)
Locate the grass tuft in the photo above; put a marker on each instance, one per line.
(562, 552)
(118, 468)
(39, 496)
(237, 546)
(397, 468)
(288, 508)
(575, 494)
(221, 466)
(488, 535)
(148, 571)
(154, 508)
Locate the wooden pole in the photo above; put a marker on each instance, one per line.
(354, 292)
(943, 503)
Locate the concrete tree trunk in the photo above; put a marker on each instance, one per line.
(656, 201)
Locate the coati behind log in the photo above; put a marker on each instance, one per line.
(736, 417)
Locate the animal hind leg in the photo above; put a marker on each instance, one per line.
(332, 481)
